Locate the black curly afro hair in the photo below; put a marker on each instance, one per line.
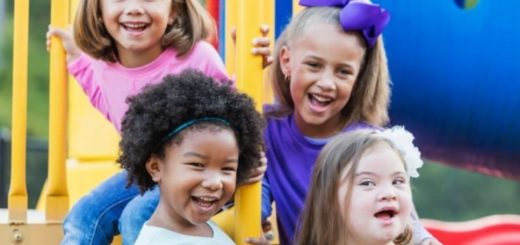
(160, 108)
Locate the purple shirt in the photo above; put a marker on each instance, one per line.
(109, 84)
(291, 158)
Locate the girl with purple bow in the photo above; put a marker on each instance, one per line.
(330, 75)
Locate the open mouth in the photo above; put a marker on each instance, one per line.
(205, 202)
(319, 100)
(386, 214)
(134, 27)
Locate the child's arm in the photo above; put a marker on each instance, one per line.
(421, 236)
(65, 35)
(80, 67)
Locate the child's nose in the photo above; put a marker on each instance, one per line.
(387, 194)
(212, 182)
(326, 82)
(133, 7)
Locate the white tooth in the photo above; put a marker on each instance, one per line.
(133, 25)
(320, 98)
(207, 199)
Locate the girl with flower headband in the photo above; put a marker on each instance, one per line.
(329, 76)
(360, 190)
(196, 141)
(119, 47)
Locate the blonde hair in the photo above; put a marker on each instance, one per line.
(320, 222)
(192, 23)
(370, 96)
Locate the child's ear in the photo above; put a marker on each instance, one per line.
(285, 61)
(153, 166)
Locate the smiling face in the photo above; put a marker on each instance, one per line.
(381, 200)
(323, 66)
(196, 177)
(137, 27)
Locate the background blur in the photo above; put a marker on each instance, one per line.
(442, 192)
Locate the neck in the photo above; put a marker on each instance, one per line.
(165, 217)
(132, 59)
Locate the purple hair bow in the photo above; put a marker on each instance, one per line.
(357, 15)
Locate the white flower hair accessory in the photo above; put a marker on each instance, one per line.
(403, 141)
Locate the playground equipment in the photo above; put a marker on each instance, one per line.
(456, 81)
(491, 230)
(455, 86)
(89, 156)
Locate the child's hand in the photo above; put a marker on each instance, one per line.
(261, 45)
(258, 241)
(266, 238)
(65, 35)
(267, 228)
(257, 174)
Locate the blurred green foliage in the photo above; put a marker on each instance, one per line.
(440, 193)
(38, 78)
(451, 194)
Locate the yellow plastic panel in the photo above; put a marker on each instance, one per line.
(91, 136)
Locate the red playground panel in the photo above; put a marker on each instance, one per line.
(490, 230)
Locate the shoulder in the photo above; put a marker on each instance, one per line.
(206, 59)
(203, 47)
(274, 115)
(82, 62)
(279, 129)
(146, 235)
(219, 236)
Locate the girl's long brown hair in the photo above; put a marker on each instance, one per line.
(191, 24)
(321, 221)
(370, 96)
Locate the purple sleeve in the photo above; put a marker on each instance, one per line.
(267, 200)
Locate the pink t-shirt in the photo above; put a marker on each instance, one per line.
(109, 84)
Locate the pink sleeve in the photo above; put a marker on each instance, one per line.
(83, 71)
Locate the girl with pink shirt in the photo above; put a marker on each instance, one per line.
(119, 47)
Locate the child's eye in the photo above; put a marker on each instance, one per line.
(344, 72)
(229, 169)
(314, 65)
(368, 183)
(398, 181)
(196, 165)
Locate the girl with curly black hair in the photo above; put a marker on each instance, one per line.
(195, 140)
